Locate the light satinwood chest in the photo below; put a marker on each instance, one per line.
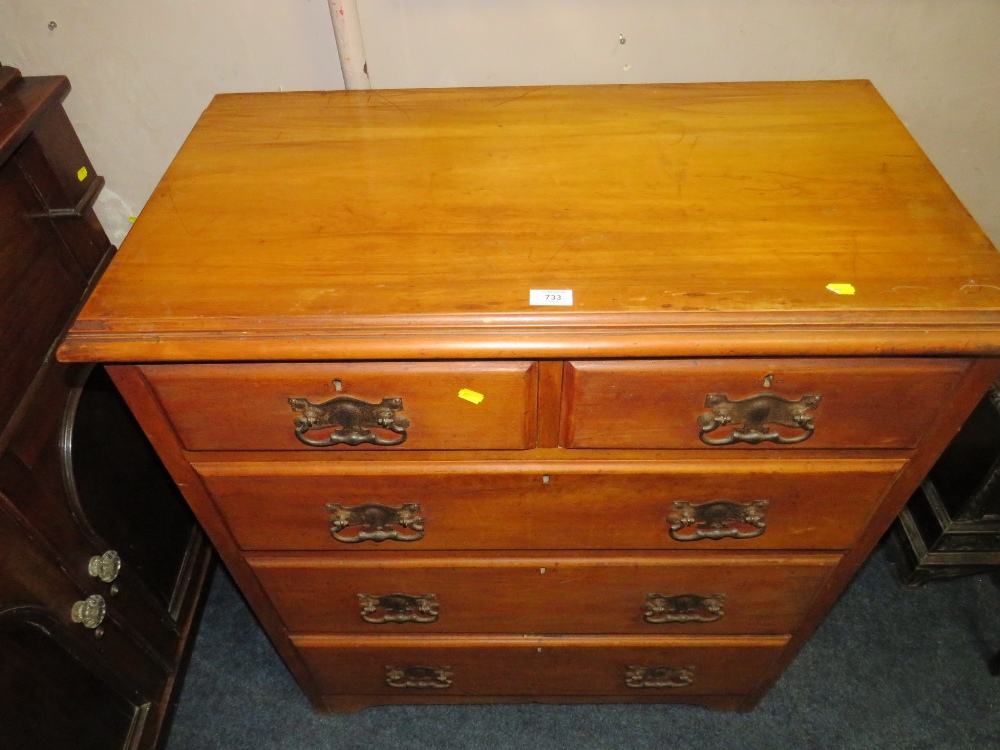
(432, 490)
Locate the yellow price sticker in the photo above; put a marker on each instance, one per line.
(840, 288)
(471, 396)
(81, 174)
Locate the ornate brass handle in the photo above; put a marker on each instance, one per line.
(90, 612)
(376, 522)
(750, 418)
(353, 417)
(660, 608)
(659, 677)
(105, 567)
(379, 610)
(418, 677)
(717, 519)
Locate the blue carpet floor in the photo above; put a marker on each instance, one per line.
(889, 668)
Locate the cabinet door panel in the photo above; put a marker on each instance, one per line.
(62, 701)
(31, 579)
(122, 489)
(81, 469)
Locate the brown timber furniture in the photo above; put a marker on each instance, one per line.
(775, 316)
(101, 562)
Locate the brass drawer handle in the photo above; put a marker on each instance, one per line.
(353, 416)
(659, 677)
(418, 677)
(718, 519)
(379, 610)
(660, 608)
(750, 418)
(376, 522)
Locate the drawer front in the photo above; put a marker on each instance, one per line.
(757, 404)
(668, 595)
(544, 666)
(382, 406)
(396, 506)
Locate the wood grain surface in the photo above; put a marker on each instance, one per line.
(508, 593)
(864, 403)
(819, 504)
(246, 407)
(526, 665)
(413, 223)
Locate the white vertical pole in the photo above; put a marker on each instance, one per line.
(350, 45)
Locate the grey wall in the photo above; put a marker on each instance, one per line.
(142, 71)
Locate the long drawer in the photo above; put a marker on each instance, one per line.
(570, 665)
(676, 593)
(352, 406)
(411, 506)
(754, 403)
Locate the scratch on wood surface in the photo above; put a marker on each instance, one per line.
(978, 286)
(389, 101)
(705, 294)
(515, 98)
(197, 216)
(180, 216)
(554, 255)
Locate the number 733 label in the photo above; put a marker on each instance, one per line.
(562, 297)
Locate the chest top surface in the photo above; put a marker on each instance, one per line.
(701, 219)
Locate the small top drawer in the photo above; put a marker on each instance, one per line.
(355, 406)
(741, 403)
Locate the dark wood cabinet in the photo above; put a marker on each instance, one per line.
(101, 562)
(950, 527)
(64, 685)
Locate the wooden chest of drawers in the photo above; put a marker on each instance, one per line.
(432, 490)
